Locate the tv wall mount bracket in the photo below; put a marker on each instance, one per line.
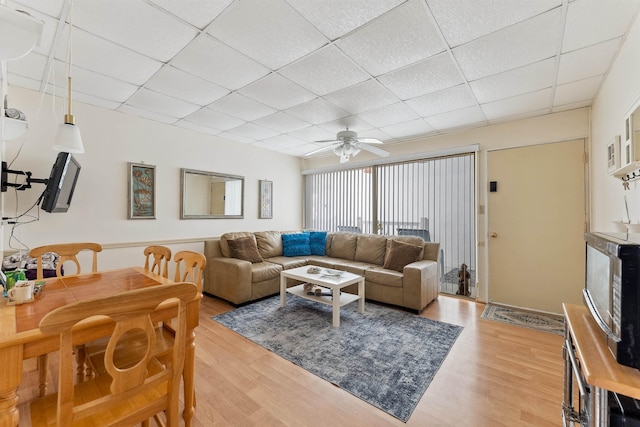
(19, 186)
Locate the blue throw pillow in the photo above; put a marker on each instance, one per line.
(317, 242)
(295, 244)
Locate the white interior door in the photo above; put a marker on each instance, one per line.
(536, 224)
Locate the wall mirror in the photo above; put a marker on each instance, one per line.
(211, 195)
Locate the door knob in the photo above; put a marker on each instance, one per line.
(493, 234)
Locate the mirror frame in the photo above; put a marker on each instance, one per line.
(184, 190)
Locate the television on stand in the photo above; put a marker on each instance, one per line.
(61, 184)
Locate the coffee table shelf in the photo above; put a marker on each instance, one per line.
(345, 297)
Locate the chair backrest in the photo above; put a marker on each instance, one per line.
(189, 267)
(136, 392)
(161, 257)
(67, 252)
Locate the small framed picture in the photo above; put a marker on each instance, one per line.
(142, 191)
(613, 154)
(266, 199)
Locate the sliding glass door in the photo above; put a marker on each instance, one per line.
(432, 198)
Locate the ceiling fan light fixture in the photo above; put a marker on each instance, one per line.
(19, 33)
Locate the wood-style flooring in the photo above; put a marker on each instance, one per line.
(495, 375)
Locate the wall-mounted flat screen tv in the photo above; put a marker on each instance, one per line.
(62, 182)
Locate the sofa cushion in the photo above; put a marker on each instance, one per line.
(269, 243)
(343, 245)
(400, 254)
(384, 277)
(264, 271)
(288, 262)
(224, 246)
(371, 248)
(318, 242)
(412, 240)
(245, 248)
(295, 244)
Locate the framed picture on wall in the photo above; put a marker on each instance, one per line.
(266, 199)
(142, 191)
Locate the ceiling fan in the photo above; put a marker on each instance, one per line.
(347, 144)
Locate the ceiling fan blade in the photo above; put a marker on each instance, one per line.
(374, 150)
(320, 150)
(370, 140)
(328, 140)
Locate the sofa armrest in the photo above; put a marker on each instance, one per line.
(420, 284)
(229, 279)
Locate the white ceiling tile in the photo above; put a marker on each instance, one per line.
(362, 97)
(352, 122)
(587, 62)
(517, 104)
(462, 20)
(236, 138)
(279, 142)
(407, 129)
(398, 38)
(31, 66)
(248, 26)
(430, 75)
(590, 22)
(281, 122)
(582, 90)
(146, 114)
(253, 131)
(389, 115)
(196, 12)
(153, 101)
(456, 119)
(338, 17)
(523, 43)
(213, 61)
(520, 80)
(312, 133)
(442, 101)
(317, 111)
(94, 100)
(241, 107)
(99, 55)
(277, 92)
(179, 84)
(324, 71)
(134, 24)
(213, 119)
(21, 81)
(299, 150)
(196, 127)
(91, 83)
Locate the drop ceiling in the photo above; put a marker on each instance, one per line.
(280, 74)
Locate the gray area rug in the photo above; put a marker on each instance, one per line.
(386, 357)
(529, 319)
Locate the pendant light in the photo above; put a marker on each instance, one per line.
(68, 138)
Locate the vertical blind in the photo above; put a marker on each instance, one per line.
(433, 198)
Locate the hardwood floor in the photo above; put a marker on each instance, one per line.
(495, 375)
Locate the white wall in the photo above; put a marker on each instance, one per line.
(99, 208)
(619, 93)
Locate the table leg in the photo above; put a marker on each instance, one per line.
(10, 379)
(188, 372)
(361, 295)
(283, 291)
(335, 299)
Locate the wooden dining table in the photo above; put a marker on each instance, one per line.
(21, 338)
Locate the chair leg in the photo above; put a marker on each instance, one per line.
(42, 373)
(81, 359)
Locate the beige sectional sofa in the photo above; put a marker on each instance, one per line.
(246, 266)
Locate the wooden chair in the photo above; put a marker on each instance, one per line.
(126, 395)
(192, 265)
(161, 257)
(67, 252)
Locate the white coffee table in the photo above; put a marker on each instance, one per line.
(335, 283)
